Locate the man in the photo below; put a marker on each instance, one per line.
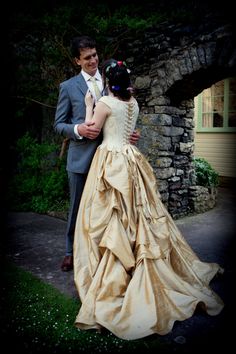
(83, 137)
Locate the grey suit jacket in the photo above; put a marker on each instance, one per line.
(71, 110)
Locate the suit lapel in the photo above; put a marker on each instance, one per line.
(82, 84)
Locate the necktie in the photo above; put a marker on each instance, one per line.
(96, 89)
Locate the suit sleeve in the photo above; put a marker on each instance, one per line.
(62, 123)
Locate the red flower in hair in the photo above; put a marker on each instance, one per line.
(120, 63)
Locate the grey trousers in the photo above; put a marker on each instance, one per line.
(76, 186)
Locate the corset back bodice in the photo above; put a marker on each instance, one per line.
(120, 123)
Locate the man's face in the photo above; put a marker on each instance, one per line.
(88, 60)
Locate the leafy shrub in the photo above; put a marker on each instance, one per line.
(205, 174)
(40, 182)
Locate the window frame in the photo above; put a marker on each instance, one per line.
(225, 128)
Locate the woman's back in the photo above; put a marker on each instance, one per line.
(120, 123)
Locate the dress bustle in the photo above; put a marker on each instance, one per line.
(134, 272)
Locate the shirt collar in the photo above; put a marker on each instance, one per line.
(86, 76)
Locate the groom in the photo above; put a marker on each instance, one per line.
(83, 137)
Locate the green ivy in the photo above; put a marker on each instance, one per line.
(205, 173)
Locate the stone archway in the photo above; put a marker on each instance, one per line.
(170, 66)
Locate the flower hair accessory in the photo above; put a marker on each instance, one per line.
(130, 89)
(123, 63)
(114, 64)
(115, 88)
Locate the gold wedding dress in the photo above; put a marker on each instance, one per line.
(134, 272)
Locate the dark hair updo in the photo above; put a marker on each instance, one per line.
(116, 74)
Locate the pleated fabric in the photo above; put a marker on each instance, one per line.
(134, 271)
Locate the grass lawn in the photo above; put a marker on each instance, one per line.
(37, 318)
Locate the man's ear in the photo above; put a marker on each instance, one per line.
(77, 61)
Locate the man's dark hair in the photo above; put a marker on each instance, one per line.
(79, 43)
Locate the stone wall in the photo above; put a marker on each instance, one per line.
(170, 65)
(202, 199)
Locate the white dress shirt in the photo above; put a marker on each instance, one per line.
(89, 83)
(98, 79)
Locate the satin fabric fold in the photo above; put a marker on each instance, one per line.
(134, 272)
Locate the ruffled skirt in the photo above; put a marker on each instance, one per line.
(134, 272)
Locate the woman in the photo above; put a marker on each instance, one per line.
(134, 272)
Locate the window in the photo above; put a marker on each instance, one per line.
(217, 107)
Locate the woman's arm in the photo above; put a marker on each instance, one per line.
(97, 114)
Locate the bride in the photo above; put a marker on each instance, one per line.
(134, 272)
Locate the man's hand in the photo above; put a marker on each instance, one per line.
(134, 137)
(88, 131)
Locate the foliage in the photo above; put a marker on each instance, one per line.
(39, 59)
(36, 318)
(40, 181)
(205, 173)
(40, 39)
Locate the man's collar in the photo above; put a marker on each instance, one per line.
(87, 76)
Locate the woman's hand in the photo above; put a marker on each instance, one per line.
(134, 137)
(89, 100)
